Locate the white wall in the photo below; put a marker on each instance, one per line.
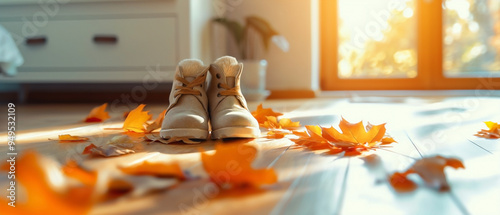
(201, 14)
(297, 69)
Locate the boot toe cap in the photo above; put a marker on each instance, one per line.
(184, 120)
(235, 119)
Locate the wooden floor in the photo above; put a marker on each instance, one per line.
(309, 182)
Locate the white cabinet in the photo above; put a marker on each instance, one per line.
(77, 41)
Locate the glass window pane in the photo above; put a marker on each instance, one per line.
(471, 38)
(377, 39)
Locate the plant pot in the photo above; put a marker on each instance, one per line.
(253, 80)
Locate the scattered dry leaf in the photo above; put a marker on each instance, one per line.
(284, 123)
(354, 139)
(35, 173)
(157, 138)
(493, 126)
(354, 134)
(136, 119)
(155, 169)
(401, 183)
(493, 131)
(430, 169)
(311, 138)
(231, 165)
(108, 150)
(261, 113)
(271, 123)
(73, 170)
(157, 123)
(123, 141)
(98, 114)
(88, 149)
(387, 140)
(287, 123)
(277, 134)
(69, 138)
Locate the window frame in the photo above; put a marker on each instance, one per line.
(430, 59)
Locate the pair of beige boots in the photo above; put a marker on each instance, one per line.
(195, 109)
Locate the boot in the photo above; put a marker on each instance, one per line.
(229, 114)
(187, 113)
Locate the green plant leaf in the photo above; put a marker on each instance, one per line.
(263, 28)
(235, 28)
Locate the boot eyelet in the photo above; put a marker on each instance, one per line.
(217, 75)
(219, 95)
(218, 85)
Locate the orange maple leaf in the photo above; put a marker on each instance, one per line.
(271, 123)
(107, 150)
(284, 123)
(430, 169)
(277, 134)
(98, 114)
(42, 198)
(493, 126)
(311, 138)
(157, 169)
(73, 170)
(88, 149)
(401, 183)
(136, 119)
(353, 141)
(231, 165)
(157, 123)
(69, 138)
(493, 131)
(354, 134)
(261, 113)
(387, 140)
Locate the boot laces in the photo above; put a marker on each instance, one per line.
(187, 87)
(228, 91)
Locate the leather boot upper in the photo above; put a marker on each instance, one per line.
(227, 106)
(188, 101)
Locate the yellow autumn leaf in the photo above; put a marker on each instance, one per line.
(98, 114)
(230, 161)
(136, 119)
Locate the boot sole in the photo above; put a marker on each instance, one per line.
(236, 132)
(184, 132)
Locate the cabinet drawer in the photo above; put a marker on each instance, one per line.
(98, 44)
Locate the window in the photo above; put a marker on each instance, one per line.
(471, 38)
(410, 44)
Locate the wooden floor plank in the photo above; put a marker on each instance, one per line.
(318, 190)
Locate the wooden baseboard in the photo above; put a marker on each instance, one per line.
(292, 94)
(6, 97)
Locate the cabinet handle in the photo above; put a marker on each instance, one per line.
(105, 39)
(36, 41)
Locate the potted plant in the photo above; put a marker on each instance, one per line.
(245, 37)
